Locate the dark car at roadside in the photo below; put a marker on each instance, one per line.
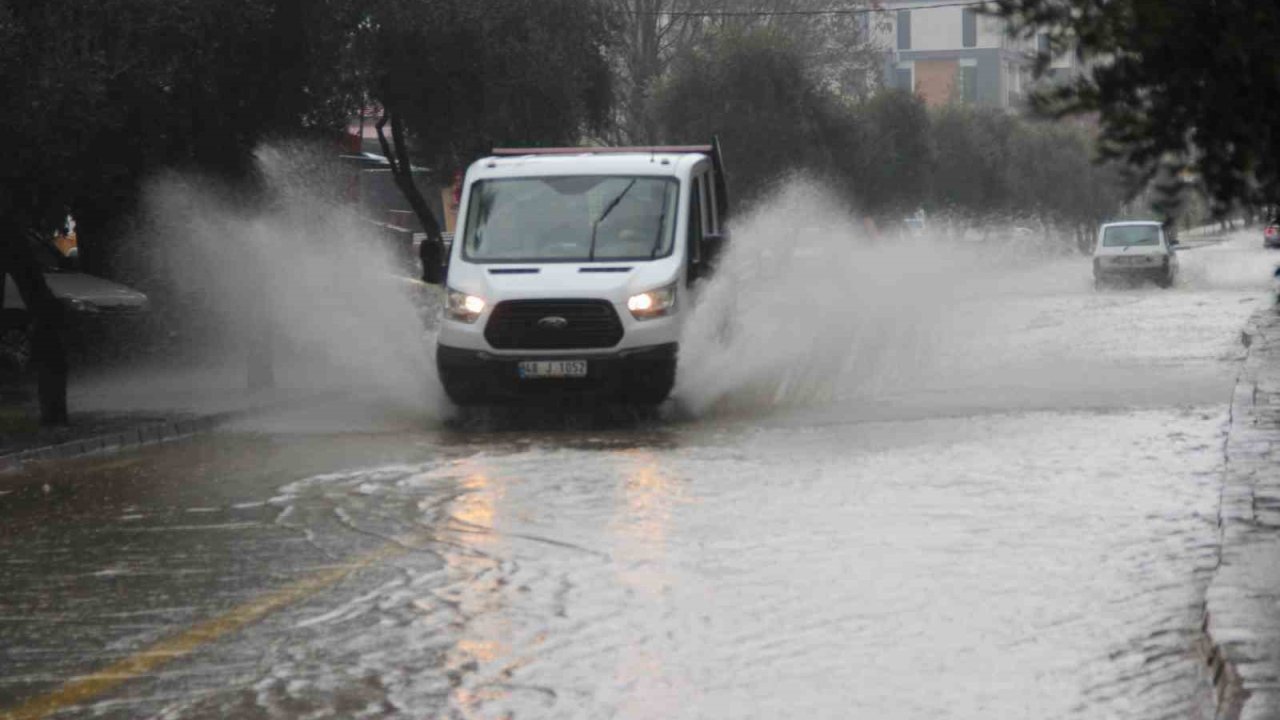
(93, 304)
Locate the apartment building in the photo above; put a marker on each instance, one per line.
(948, 52)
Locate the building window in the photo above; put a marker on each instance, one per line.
(968, 82)
(904, 29)
(969, 28)
(1042, 43)
(904, 77)
(1013, 85)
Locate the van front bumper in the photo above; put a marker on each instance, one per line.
(643, 374)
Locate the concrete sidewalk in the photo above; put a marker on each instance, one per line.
(138, 408)
(1242, 607)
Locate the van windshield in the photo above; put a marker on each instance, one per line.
(571, 219)
(1131, 236)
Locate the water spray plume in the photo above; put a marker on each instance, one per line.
(340, 311)
(811, 309)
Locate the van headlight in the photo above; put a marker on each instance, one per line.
(463, 307)
(653, 303)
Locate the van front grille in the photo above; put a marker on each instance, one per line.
(553, 325)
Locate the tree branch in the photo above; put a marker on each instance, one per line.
(431, 251)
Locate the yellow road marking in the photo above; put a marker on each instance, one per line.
(81, 689)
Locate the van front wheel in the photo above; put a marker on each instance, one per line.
(462, 391)
(652, 384)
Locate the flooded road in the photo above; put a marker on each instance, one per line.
(1022, 526)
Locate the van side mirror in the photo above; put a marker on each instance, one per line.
(434, 255)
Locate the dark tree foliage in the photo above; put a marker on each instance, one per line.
(835, 46)
(465, 75)
(992, 163)
(97, 95)
(900, 149)
(753, 90)
(888, 155)
(454, 78)
(1175, 83)
(971, 175)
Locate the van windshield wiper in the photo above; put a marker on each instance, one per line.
(595, 226)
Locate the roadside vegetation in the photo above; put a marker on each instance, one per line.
(887, 154)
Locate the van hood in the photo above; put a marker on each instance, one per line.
(611, 281)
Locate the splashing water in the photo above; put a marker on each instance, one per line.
(807, 308)
(340, 313)
(810, 309)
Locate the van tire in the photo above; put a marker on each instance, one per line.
(653, 386)
(460, 392)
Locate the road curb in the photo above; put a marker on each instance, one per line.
(1241, 629)
(151, 433)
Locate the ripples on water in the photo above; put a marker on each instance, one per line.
(1046, 566)
(1025, 565)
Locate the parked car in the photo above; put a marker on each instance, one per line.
(1134, 251)
(1271, 234)
(80, 293)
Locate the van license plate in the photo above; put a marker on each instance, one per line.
(535, 369)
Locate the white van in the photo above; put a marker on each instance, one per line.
(1138, 250)
(572, 271)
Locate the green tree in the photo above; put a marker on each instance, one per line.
(971, 172)
(1174, 82)
(898, 173)
(991, 164)
(754, 89)
(832, 36)
(98, 95)
(454, 78)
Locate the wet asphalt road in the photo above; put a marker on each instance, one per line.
(1028, 534)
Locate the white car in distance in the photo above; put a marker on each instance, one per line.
(1130, 252)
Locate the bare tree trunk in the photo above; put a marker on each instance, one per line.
(431, 252)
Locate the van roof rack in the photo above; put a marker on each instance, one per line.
(508, 152)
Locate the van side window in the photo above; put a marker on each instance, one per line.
(713, 207)
(704, 195)
(695, 220)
